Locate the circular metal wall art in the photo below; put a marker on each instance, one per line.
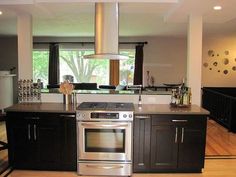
(226, 52)
(210, 53)
(226, 61)
(225, 71)
(205, 65)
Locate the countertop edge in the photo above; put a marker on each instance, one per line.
(160, 109)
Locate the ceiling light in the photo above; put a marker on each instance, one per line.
(0, 12)
(217, 7)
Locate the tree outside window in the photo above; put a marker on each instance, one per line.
(40, 66)
(83, 70)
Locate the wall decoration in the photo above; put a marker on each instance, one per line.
(226, 52)
(205, 65)
(225, 71)
(215, 63)
(210, 53)
(222, 64)
(226, 61)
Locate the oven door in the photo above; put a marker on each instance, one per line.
(104, 140)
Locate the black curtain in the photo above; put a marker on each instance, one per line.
(54, 72)
(138, 69)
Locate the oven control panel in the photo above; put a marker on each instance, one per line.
(100, 115)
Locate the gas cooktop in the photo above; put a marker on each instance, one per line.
(107, 106)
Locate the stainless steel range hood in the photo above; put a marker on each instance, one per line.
(106, 32)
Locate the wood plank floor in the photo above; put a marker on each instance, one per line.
(213, 168)
(3, 153)
(219, 141)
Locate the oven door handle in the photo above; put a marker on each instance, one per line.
(104, 167)
(105, 125)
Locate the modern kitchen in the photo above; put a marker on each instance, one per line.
(117, 88)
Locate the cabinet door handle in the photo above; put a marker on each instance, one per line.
(65, 115)
(29, 132)
(32, 118)
(35, 135)
(176, 134)
(181, 120)
(142, 117)
(182, 135)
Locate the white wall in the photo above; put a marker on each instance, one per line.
(213, 75)
(166, 59)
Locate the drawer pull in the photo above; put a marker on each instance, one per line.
(142, 117)
(105, 167)
(32, 118)
(176, 134)
(181, 120)
(29, 132)
(64, 115)
(140, 164)
(182, 136)
(35, 135)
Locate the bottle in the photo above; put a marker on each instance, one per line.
(189, 96)
(185, 97)
(173, 96)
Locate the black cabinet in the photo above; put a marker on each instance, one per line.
(175, 143)
(141, 143)
(40, 140)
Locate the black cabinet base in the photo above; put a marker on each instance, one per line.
(172, 171)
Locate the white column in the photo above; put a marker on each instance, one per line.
(194, 60)
(24, 32)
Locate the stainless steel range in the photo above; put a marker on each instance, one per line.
(104, 138)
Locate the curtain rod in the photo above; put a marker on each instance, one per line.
(138, 43)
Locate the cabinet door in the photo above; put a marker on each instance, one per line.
(192, 144)
(141, 143)
(164, 146)
(47, 137)
(22, 149)
(68, 141)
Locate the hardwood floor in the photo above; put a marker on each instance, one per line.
(219, 141)
(213, 168)
(3, 153)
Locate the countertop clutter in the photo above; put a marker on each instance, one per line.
(144, 109)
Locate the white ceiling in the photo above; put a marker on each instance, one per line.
(137, 17)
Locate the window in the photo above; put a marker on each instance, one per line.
(127, 67)
(83, 70)
(40, 65)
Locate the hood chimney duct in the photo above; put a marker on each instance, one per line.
(106, 32)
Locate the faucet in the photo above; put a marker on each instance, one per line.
(139, 88)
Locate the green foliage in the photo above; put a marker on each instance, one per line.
(40, 65)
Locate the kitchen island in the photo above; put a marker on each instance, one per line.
(42, 136)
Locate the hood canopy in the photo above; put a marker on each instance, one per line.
(106, 32)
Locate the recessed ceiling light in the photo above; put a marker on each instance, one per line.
(217, 7)
(0, 12)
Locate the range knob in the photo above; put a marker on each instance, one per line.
(130, 115)
(124, 115)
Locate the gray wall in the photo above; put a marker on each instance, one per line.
(9, 58)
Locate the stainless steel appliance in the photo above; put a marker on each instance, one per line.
(104, 138)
